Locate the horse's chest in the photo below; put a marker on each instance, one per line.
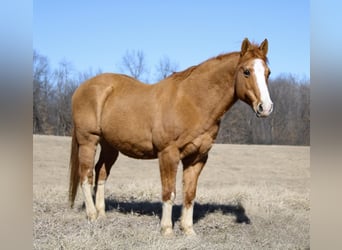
(201, 144)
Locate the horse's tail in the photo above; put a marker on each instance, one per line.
(74, 166)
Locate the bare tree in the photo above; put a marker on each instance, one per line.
(134, 64)
(42, 89)
(304, 114)
(165, 67)
(65, 86)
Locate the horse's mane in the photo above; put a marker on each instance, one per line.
(187, 72)
(253, 52)
(183, 74)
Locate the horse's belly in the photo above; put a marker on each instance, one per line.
(138, 151)
(132, 144)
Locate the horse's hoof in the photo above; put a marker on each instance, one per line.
(189, 231)
(167, 232)
(92, 217)
(101, 216)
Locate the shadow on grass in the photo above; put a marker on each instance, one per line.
(155, 209)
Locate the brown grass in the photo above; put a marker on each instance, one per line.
(266, 185)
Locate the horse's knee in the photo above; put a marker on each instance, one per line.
(169, 195)
(189, 196)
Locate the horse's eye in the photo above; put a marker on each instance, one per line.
(269, 72)
(246, 72)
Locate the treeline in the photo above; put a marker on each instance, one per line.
(289, 124)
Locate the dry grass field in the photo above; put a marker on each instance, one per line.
(266, 185)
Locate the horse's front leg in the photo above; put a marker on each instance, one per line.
(168, 164)
(191, 173)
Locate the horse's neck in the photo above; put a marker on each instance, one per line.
(214, 87)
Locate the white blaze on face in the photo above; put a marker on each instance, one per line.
(259, 70)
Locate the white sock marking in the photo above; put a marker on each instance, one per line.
(90, 207)
(166, 220)
(100, 204)
(187, 214)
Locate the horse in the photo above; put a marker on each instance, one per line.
(175, 120)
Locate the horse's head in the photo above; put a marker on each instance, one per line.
(251, 77)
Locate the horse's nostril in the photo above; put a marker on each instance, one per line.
(260, 108)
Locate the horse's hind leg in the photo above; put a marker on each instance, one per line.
(87, 150)
(106, 160)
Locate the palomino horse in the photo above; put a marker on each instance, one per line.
(174, 120)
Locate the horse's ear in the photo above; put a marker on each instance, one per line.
(264, 46)
(244, 46)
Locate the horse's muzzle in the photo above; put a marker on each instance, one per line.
(264, 110)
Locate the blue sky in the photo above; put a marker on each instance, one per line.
(96, 34)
